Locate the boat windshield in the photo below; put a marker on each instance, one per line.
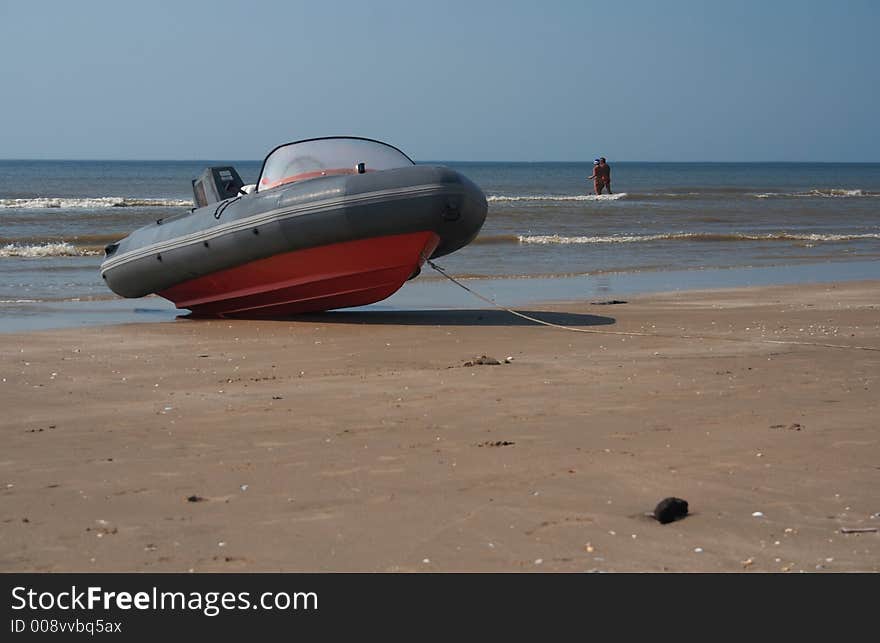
(326, 157)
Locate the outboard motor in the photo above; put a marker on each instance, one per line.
(216, 184)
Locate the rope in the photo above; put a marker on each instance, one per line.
(595, 331)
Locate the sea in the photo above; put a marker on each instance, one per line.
(667, 226)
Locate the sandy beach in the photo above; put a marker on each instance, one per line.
(371, 441)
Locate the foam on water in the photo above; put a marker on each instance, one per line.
(551, 197)
(96, 240)
(43, 203)
(691, 236)
(689, 195)
(825, 193)
(61, 249)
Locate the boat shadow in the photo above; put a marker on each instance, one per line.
(451, 317)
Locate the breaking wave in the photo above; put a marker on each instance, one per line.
(684, 195)
(692, 236)
(61, 249)
(494, 239)
(93, 202)
(550, 197)
(830, 193)
(98, 240)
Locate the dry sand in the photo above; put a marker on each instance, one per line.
(361, 442)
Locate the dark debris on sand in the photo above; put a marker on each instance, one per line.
(483, 360)
(670, 509)
(790, 427)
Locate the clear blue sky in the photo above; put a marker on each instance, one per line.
(716, 80)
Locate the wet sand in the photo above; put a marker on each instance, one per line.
(362, 441)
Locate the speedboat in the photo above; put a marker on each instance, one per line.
(331, 223)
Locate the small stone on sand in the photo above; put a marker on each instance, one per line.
(670, 509)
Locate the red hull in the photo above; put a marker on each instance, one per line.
(340, 275)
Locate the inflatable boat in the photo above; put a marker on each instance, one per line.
(331, 223)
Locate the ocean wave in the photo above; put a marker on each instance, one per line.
(493, 239)
(92, 202)
(686, 195)
(62, 249)
(98, 240)
(552, 197)
(829, 193)
(553, 239)
(51, 300)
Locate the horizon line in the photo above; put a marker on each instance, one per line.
(208, 160)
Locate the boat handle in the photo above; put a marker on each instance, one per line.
(222, 207)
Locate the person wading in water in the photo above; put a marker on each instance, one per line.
(601, 176)
(597, 180)
(604, 171)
